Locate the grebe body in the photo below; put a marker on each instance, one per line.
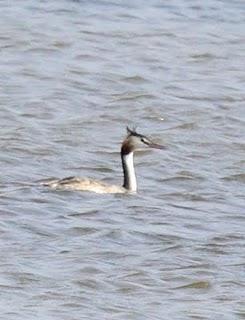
(132, 142)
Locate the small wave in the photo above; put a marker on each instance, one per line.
(196, 285)
(134, 79)
(133, 96)
(235, 177)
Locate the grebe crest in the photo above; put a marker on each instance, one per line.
(131, 143)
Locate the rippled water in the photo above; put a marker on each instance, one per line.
(73, 75)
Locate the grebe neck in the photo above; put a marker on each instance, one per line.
(129, 181)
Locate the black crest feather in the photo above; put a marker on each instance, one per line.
(132, 131)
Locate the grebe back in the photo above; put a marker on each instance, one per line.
(132, 142)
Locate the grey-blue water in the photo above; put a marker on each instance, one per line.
(73, 75)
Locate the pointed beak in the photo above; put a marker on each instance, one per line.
(156, 146)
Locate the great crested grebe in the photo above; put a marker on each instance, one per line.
(132, 142)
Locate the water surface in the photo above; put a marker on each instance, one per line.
(73, 75)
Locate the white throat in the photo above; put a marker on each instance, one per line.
(130, 182)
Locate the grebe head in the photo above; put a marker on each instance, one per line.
(135, 141)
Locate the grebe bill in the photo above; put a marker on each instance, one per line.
(132, 142)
